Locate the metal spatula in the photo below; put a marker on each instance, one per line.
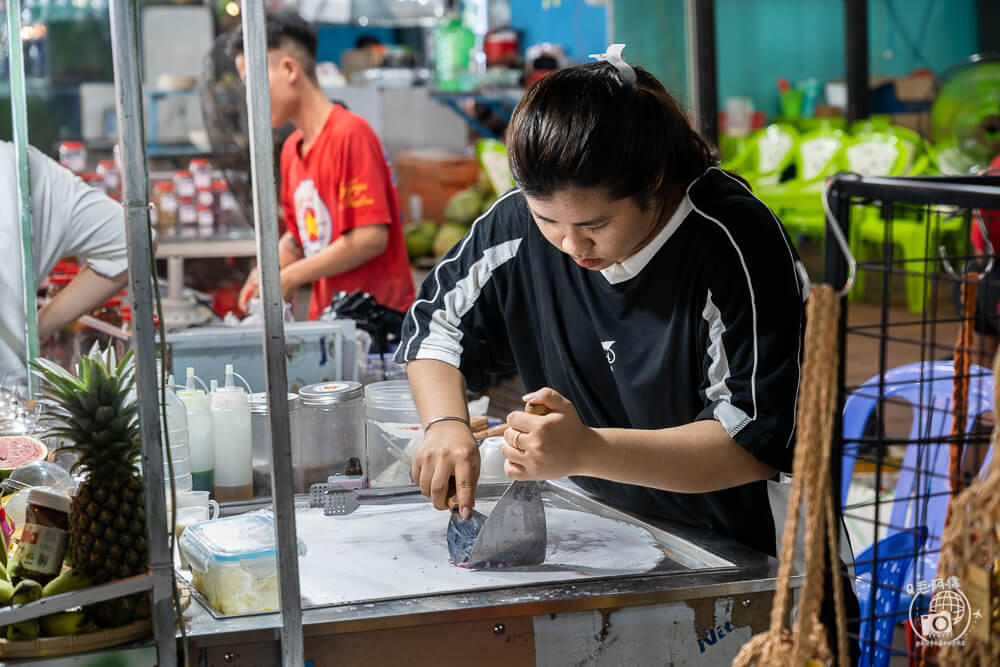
(461, 533)
(514, 535)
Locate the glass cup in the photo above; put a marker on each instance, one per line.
(199, 499)
(192, 507)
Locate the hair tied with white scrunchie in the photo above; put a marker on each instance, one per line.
(614, 56)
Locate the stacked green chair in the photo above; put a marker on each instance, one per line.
(919, 162)
(892, 153)
(734, 152)
(768, 152)
(798, 202)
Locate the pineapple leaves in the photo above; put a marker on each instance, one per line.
(92, 409)
(56, 375)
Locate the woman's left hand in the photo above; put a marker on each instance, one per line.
(547, 446)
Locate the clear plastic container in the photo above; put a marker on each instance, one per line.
(394, 433)
(333, 430)
(178, 433)
(234, 562)
(260, 427)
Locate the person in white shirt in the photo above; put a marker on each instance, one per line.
(69, 219)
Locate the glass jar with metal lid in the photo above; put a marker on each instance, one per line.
(260, 430)
(333, 429)
(394, 433)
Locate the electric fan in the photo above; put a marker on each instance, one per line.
(965, 117)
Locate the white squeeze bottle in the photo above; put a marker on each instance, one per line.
(199, 418)
(177, 430)
(232, 445)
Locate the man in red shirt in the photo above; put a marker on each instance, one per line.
(340, 204)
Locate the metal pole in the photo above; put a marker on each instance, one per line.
(702, 80)
(128, 103)
(19, 116)
(856, 51)
(265, 212)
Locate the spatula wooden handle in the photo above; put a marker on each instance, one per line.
(490, 432)
(535, 409)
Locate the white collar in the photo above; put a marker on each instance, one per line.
(630, 267)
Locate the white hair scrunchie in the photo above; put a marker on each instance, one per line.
(614, 56)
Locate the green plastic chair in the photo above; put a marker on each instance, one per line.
(769, 152)
(919, 162)
(897, 152)
(734, 152)
(874, 123)
(798, 201)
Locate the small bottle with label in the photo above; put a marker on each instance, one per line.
(42, 547)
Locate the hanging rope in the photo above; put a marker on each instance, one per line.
(971, 539)
(960, 393)
(779, 647)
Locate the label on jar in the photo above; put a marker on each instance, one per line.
(187, 214)
(41, 549)
(202, 179)
(205, 198)
(227, 202)
(330, 388)
(168, 202)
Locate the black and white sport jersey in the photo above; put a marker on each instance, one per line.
(705, 322)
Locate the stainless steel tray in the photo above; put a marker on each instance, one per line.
(678, 554)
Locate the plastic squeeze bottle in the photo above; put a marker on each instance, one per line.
(177, 428)
(199, 418)
(232, 445)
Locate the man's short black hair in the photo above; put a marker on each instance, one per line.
(285, 27)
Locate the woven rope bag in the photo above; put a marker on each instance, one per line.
(972, 539)
(780, 647)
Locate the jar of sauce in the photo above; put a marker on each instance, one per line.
(201, 172)
(165, 202)
(110, 177)
(73, 156)
(42, 547)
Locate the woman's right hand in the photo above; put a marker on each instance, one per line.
(249, 290)
(448, 450)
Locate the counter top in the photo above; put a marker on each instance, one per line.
(725, 569)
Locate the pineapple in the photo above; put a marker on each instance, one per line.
(107, 520)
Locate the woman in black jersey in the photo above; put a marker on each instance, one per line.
(644, 296)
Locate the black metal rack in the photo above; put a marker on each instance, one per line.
(904, 478)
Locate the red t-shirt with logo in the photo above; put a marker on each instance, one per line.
(344, 181)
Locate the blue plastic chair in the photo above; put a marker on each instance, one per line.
(895, 557)
(928, 387)
(924, 485)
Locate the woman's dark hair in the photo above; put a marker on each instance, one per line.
(586, 126)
